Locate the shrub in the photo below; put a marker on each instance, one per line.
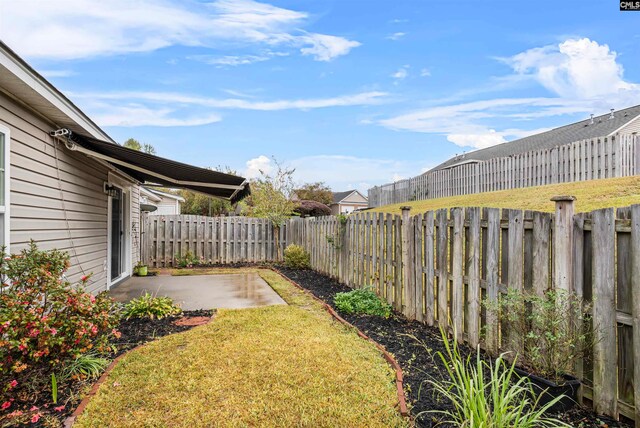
(555, 327)
(486, 394)
(188, 260)
(45, 320)
(311, 208)
(295, 257)
(362, 301)
(148, 306)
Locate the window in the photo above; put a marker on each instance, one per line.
(4, 186)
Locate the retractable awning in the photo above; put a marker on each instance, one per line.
(155, 170)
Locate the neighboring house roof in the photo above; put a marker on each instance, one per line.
(602, 126)
(23, 84)
(152, 197)
(165, 194)
(341, 196)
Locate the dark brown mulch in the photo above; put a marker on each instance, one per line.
(135, 331)
(414, 346)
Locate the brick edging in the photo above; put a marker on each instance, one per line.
(402, 401)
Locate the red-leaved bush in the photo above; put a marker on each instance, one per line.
(45, 320)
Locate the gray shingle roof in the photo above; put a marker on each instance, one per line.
(339, 196)
(582, 130)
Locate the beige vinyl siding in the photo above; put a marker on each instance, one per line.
(354, 198)
(37, 208)
(633, 126)
(167, 207)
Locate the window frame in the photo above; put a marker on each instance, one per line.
(6, 208)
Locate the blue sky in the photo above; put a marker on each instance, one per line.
(353, 93)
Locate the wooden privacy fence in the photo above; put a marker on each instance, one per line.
(437, 267)
(210, 239)
(604, 157)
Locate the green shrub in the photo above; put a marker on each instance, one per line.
(555, 329)
(45, 320)
(362, 301)
(295, 257)
(149, 306)
(486, 394)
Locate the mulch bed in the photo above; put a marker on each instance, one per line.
(414, 346)
(135, 332)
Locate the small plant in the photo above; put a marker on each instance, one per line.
(555, 328)
(188, 260)
(295, 257)
(362, 301)
(149, 306)
(86, 366)
(486, 394)
(140, 269)
(54, 388)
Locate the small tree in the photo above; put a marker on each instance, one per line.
(270, 198)
(132, 143)
(148, 148)
(318, 192)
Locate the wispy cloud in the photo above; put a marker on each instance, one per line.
(122, 26)
(396, 36)
(401, 73)
(168, 98)
(57, 73)
(235, 60)
(425, 72)
(133, 115)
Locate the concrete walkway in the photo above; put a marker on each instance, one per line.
(231, 291)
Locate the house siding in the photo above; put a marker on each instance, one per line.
(167, 207)
(40, 195)
(632, 127)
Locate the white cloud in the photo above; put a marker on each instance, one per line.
(70, 29)
(364, 98)
(425, 72)
(326, 48)
(256, 165)
(137, 115)
(401, 73)
(575, 69)
(396, 36)
(583, 75)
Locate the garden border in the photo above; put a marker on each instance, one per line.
(402, 401)
(70, 420)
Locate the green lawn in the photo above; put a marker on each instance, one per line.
(277, 366)
(591, 195)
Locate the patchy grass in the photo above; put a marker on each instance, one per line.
(277, 366)
(592, 195)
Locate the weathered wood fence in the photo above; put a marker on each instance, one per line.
(591, 159)
(438, 266)
(167, 238)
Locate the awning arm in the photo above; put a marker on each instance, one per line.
(78, 148)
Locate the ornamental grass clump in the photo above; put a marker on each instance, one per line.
(488, 394)
(362, 301)
(149, 306)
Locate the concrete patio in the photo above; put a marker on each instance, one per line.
(229, 291)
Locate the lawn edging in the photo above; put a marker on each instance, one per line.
(70, 420)
(402, 401)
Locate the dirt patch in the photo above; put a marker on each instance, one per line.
(414, 346)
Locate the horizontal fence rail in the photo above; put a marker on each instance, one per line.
(167, 238)
(596, 158)
(438, 267)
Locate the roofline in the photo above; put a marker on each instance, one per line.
(352, 192)
(626, 124)
(149, 193)
(21, 69)
(163, 194)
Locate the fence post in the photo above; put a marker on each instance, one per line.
(563, 243)
(406, 260)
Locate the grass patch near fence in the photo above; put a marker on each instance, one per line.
(276, 366)
(591, 195)
(211, 271)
